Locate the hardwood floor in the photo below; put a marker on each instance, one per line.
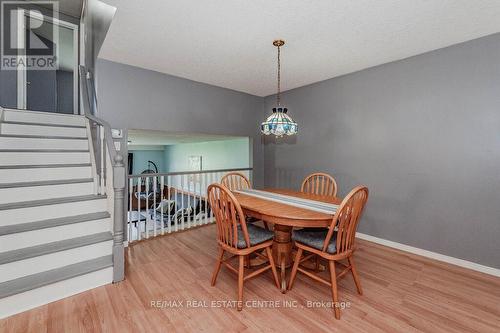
(402, 293)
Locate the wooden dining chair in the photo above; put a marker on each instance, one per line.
(333, 245)
(238, 238)
(236, 181)
(319, 183)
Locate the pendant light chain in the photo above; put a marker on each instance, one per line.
(279, 76)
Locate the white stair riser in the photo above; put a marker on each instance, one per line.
(35, 158)
(17, 269)
(48, 235)
(17, 194)
(43, 118)
(21, 129)
(41, 174)
(37, 143)
(53, 292)
(32, 214)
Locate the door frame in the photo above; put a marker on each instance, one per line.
(22, 74)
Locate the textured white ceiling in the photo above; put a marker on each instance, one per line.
(228, 43)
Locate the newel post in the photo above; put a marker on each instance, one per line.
(119, 189)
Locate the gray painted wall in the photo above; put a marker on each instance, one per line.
(135, 98)
(422, 133)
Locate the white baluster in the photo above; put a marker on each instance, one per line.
(162, 187)
(147, 207)
(129, 214)
(175, 204)
(205, 186)
(194, 200)
(211, 210)
(198, 203)
(182, 201)
(103, 161)
(188, 198)
(155, 184)
(179, 207)
(139, 219)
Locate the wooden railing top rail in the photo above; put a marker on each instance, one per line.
(186, 172)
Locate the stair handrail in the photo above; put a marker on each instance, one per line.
(86, 76)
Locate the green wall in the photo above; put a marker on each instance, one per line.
(225, 154)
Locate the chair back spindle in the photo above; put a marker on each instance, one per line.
(235, 181)
(320, 184)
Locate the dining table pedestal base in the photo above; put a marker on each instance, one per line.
(282, 251)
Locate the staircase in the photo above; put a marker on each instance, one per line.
(55, 231)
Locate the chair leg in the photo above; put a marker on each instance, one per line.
(355, 275)
(273, 267)
(217, 266)
(316, 268)
(295, 268)
(247, 261)
(241, 270)
(333, 277)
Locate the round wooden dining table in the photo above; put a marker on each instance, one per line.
(284, 218)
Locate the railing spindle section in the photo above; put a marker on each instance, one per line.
(182, 198)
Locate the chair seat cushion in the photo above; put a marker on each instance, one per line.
(315, 239)
(256, 234)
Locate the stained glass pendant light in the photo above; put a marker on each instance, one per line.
(279, 123)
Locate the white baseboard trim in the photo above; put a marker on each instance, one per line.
(433, 255)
